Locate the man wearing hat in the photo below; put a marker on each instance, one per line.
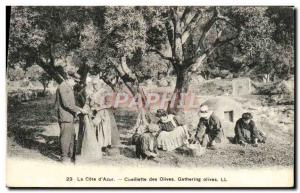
(246, 131)
(146, 144)
(209, 129)
(67, 111)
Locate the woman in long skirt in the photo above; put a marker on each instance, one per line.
(106, 128)
(172, 134)
(87, 143)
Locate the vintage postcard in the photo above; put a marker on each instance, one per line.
(150, 96)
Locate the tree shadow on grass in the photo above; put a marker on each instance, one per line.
(27, 123)
(32, 138)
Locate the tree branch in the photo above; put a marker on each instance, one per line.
(170, 34)
(192, 23)
(222, 17)
(174, 19)
(50, 70)
(185, 14)
(190, 27)
(218, 43)
(160, 54)
(216, 16)
(108, 34)
(206, 29)
(123, 70)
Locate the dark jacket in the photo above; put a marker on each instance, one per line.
(211, 126)
(65, 101)
(80, 95)
(245, 132)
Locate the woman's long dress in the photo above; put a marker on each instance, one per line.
(115, 135)
(103, 130)
(106, 128)
(90, 149)
(87, 148)
(172, 135)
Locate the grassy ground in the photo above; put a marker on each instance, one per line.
(33, 134)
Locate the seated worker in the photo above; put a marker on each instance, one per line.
(246, 131)
(146, 144)
(167, 122)
(209, 129)
(173, 133)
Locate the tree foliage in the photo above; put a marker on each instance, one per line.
(133, 44)
(44, 35)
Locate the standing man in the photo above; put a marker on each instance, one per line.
(209, 129)
(67, 111)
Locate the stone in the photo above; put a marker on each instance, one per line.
(241, 86)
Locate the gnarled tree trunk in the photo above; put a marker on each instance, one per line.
(132, 83)
(181, 88)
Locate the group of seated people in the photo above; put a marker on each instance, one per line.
(170, 132)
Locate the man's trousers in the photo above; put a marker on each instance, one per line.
(67, 140)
